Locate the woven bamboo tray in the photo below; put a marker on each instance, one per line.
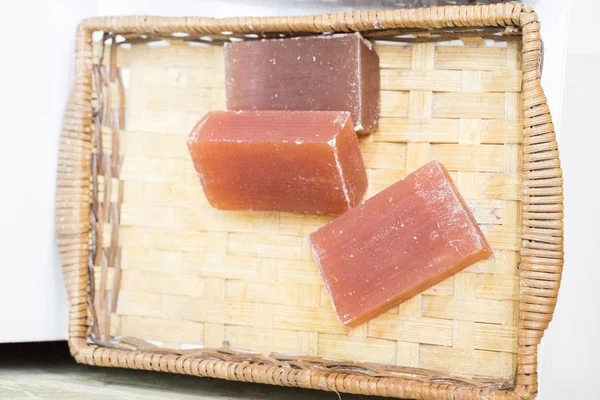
(159, 280)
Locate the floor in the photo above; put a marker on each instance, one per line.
(46, 371)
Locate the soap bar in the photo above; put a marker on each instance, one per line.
(328, 72)
(398, 243)
(296, 161)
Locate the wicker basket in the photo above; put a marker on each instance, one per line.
(158, 280)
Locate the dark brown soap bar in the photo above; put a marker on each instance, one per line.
(398, 243)
(328, 72)
(296, 161)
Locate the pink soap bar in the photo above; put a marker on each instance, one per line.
(409, 237)
(323, 73)
(295, 161)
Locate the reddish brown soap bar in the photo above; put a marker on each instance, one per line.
(297, 161)
(398, 243)
(328, 72)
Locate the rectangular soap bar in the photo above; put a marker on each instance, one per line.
(398, 243)
(327, 72)
(296, 161)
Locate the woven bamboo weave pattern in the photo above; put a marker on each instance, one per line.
(193, 275)
(170, 273)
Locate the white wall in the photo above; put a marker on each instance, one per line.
(571, 347)
(37, 67)
(553, 16)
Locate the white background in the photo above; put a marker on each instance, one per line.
(35, 75)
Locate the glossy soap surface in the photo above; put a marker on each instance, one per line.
(327, 72)
(398, 243)
(295, 161)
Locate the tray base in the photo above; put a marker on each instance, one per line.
(192, 276)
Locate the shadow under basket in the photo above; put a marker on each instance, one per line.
(159, 280)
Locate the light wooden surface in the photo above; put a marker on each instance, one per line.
(47, 371)
(196, 276)
(67, 382)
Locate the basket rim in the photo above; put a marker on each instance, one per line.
(541, 247)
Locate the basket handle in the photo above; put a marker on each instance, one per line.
(72, 192)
